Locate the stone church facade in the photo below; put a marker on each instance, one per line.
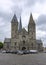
(20, 38)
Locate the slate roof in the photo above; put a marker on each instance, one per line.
(14, 19)
(7, 40)
(31, 19)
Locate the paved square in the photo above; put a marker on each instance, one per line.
(31, 59)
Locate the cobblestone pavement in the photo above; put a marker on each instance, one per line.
(31, 59)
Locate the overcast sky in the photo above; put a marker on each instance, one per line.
(23, 8)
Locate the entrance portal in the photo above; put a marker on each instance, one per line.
(23, 48)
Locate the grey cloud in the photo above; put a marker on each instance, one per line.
(5, 30)
(5, 16)
(16, 10)
(30, 3)
(41, 22)
(41, 25)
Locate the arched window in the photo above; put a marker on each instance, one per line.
(23, 42)
(24, 36)
(32, 45)
(23, 48)
(15, 43)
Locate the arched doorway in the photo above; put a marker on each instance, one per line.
(23, 48)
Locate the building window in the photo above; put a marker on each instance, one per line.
(24, 36)
(15, 43)
(32, 45)
(7, 45)
(23, 42)
(28, 47)
(38, 46)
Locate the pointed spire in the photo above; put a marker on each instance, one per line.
(31, 19)
(14, 18)
(20, 25)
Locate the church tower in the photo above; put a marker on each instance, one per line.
(14, 32)
(32, 32)
(14, 27)
(31, 27)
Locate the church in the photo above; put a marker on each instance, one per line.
(22, 39)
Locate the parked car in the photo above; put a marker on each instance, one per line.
(8, 51)
(26, 52)
(33, 51)
(13, 52)
(20, 52)
(3, 51)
